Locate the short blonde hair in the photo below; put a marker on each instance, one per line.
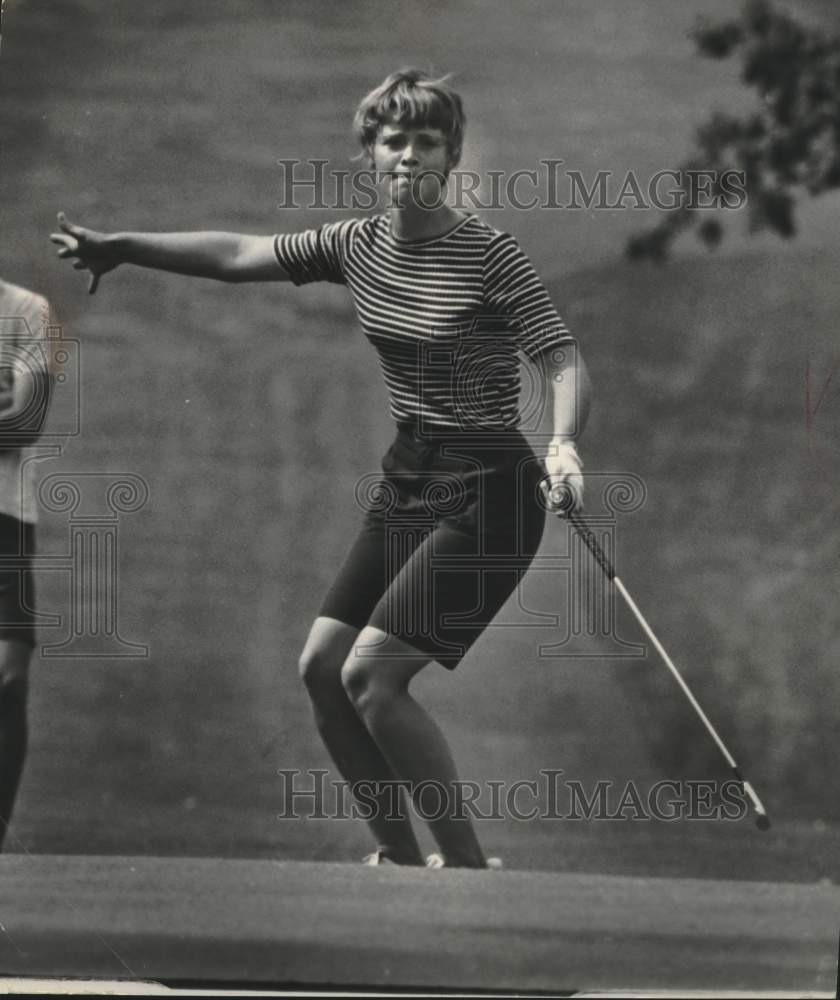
(409, 97)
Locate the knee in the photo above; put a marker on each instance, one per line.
(358, 681)
(318, 669)
(366, 685)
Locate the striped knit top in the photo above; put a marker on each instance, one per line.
(446, 315)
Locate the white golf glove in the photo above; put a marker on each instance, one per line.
(563, 489)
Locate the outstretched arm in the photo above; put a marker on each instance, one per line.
(223, 256)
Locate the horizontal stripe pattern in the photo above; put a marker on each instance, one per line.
(447, 317)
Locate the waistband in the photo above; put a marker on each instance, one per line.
(430, 439)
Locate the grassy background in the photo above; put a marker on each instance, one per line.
(234, 404)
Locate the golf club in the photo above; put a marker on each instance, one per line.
(588, 537)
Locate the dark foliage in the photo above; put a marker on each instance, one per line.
(787, 148)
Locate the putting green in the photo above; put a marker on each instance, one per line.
(187, 920)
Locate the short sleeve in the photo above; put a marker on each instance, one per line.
(24, 315)
(513, 289)
(316, 254)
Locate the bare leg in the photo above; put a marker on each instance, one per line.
(410, 740)
(348, 741)
(14, 662)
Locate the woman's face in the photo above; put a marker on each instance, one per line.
(414, 163)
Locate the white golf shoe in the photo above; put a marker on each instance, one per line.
(436, 861)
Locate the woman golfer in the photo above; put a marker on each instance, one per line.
(455, 518)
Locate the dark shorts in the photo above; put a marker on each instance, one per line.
(450, 528)
(17, 590)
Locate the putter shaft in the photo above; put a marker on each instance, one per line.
(591, 542)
